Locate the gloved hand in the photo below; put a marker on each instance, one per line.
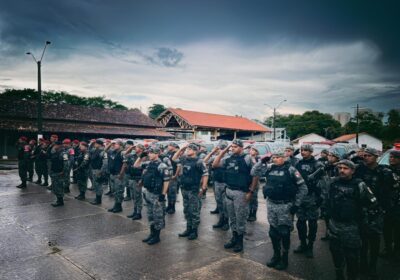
(293, 209)
(161, 198)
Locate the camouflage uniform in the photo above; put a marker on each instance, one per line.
(23, 155)
(344, 203)
(193, 169)
(67, 179)
(82, 171)
(98, 168)
(134, 176)
(116, 161)
(41, 165)
(59, 169)
(173, 186)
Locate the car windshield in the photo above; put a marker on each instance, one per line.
(384, 160)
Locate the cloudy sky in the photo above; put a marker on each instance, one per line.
(228, 57)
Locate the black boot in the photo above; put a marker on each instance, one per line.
(220, 223)
(339, 274)
(252, 216)
(231, 243)
(38, 181)
(239, 244)
(156, 237)
(276, 258)
(22, 186)
(112, 209)
(45, 184)
(132, 215)
(301, 248)
(150, 236)
(67, 190)
(310, 252)
(193, 234)
(215, 211)
(283, 264)
(109, 192)
(225, 227)
(50, 187)
(117, 208)
(137, 216)
(186, 232)
(97, 200)
(171, 209)
(59, 202)
(81, 196)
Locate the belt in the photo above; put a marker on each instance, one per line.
(280, 201)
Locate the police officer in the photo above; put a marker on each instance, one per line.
(35, 157)
(50, 150)
(23, 154)
(253, 205)
(324, 156)
(98, 168)
(331, 172)
(194, 173)
(134, 175)
(82, 170)
(218, 175)
(173, 183)
(391, 229)
(379, 179)
(156, 177)
(41, 163)
(238, 192)
(289, 154)
(71, 154)
(59, 170)
(117, 171)
(75, 146)
(346, 198)
(127, 150)
(307, 216)
(284, 190)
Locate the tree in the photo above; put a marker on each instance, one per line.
(155, 110)
(368, 122)
(61, 97)
(309, 122)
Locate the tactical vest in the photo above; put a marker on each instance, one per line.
(219, 174)
(96, 160)
(191, 174)
(173, 163)
(57, 162)
(343, 202)
(237, 173)
(280, 185)
(135, 173)
(306, 168)
(152, 178)
(115, 163)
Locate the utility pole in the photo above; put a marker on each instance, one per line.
(274, 117)
(358, 123)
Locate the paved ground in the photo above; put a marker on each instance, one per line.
(82, 241)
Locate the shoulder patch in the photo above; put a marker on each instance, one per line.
(105, 156)
(86, 157)
(65, 156)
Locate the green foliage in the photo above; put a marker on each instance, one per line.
(155, 110)
(61, 97)
(309, 122)
(368, 123)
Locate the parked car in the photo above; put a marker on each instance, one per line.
(384, 159)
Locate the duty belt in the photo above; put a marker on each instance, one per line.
(280, 201)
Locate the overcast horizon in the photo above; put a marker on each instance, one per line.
(223, 57)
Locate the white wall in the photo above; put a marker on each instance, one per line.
(369, 141)
(309, 138)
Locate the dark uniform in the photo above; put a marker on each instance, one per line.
(82, 172)
(284, 190)
(154, 175)
(134, 176)
(346, 200)
(59, 169)
(218, 175)
(193, 169)
(23, 154)
(31, 160)
(379, 180)
(41, 164)
(173, 184)
(309, 209)
(116, 160)
(99, 169)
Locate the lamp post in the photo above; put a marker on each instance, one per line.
(274, 116)
(39, 101)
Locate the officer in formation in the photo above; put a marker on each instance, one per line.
(307, 216)
(75, 146)
(59, 170)
(379, 179)
(116, 168)
(239, 190)
(173, 183)
(348, 196)
(41, 169)
(71, 158)
(253, 205)
(289, 154)
(218, 175)
(391, 229)
(194, 176)
(284, 190)
(127, 152)
(31, 160)
(23, 154)
(156, 176)
(98, 168)
(82, 170)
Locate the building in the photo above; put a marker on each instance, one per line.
(364, 140)
(309, 138)
(19, 118)
(342, 117)
(186, 124)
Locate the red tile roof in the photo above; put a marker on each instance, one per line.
(348, 137)
(200, 119)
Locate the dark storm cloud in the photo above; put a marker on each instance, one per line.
(72, 23)
(165, 56)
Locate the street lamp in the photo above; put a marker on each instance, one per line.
(274, 116)
(39, 105)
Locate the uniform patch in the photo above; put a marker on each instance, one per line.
(86, 157)
(65, 156)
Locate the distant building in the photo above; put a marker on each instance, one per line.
(342, 117)
(312, 137)
(364, 140)
(186, 124)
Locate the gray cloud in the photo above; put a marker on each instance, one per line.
(165, 57)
